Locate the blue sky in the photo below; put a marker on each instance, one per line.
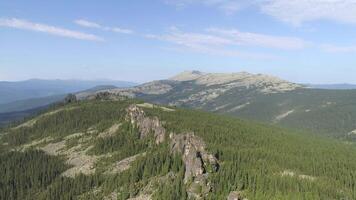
(309, 41)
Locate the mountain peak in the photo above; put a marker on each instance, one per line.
(187, 75)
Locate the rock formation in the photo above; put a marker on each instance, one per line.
(198, 163)
(234, 195)
(146, 125)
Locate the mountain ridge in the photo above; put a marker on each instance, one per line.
(255, 97)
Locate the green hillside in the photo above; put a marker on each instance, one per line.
(329, 112)
(113, 149)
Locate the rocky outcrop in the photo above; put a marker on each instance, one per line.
(102, 95)
(234, 195)
(198, 163)
(110, 131)
(141, 197)
(123, 165)
(146, 125)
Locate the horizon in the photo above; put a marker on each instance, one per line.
(138, 83)
(110, 40)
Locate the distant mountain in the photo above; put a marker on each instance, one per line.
(343, 86)
(28, 104)
(257, 97)
(18, 110)
(36, 88)
(10, 117)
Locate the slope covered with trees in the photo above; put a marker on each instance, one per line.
(42, 157)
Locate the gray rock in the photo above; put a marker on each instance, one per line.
(146, 125)
(197, 161)
(234, 195)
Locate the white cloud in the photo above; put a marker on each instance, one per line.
(227, 6)
(225, 42)
(121, 30)
(338, 49)
(89, 24)
(27, 25)
(294, 12)
(260, 40)
(194, 39)
(214, 37)
(298, 11)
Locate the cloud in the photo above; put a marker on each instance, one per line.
(261, 40)
(227, 6)
(228, 42)
(121, 30)
(298, 11)
(295, 12)
(338, 49)
(192, 39)
(89, 24)
(27, 25)
(214, 37)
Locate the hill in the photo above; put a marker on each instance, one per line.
(255, 97)
(37, 88)
(343, 86)
(28, 104)
(111, 147)
(18, 110)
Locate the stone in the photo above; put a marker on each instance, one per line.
(146, 125)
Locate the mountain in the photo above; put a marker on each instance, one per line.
(27, 104)
(18, 110)
(36, 88)
(343, 86)
(7, 118)
(112, 147)
(255, 97)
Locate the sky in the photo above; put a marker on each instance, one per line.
(304, 41)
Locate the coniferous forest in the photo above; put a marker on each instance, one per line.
(257, 160)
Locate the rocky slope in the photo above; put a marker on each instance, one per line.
(257, 97)
(215, 84)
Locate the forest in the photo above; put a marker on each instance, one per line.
(260, 161)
